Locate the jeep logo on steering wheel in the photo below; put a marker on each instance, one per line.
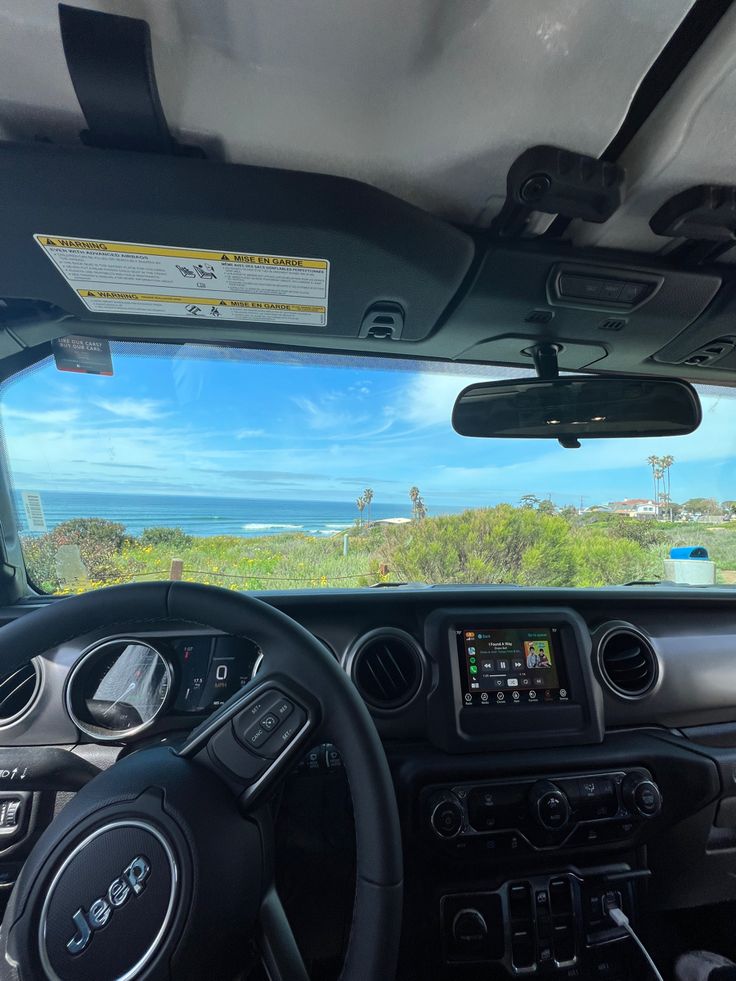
(131, 882)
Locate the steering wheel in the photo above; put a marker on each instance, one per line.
(162, 866)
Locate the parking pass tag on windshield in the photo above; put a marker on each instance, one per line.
(85, 355)
(34, 511)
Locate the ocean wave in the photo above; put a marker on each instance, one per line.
(256, 526)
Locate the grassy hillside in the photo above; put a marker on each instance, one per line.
(503, 544)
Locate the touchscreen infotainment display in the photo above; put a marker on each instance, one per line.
(511, 665)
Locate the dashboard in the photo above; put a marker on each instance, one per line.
(544, 645)
(541, 742)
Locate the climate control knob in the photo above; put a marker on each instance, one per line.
(446, 817)
(641, 795)
(549, 805)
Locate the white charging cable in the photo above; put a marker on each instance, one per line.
(621, 920)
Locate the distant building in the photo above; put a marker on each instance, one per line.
(635, 507)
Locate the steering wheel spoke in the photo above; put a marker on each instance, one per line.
(253, 740)
(280, 954)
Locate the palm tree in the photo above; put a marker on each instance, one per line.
(368, 498)
(420, 508)
(360, 503)
(414, 496)
(662, 481)
(665, 463)
(653, 462)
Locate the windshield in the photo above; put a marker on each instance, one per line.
(258, 470)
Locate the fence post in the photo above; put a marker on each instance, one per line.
(177, 570)
(345, 541)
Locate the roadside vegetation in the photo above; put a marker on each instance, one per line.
(534, 543)
(531, 544)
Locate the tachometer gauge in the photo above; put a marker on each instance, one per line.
(118, 688)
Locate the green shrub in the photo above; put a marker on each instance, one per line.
(519, 545)
(40, 558)
(174, 537)
(605, 560)
(493, 545)
(99, 541)
(645, 532)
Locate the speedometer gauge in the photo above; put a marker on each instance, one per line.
(118, 688)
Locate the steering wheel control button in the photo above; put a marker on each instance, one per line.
(255, 735)
(279, 740)
(110, 904)
(255, 723)
(282, 708)
(256, 710)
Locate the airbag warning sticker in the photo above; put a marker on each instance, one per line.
(164, 281)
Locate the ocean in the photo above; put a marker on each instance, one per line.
(203, 516)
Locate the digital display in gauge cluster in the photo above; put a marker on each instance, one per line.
(210, 670)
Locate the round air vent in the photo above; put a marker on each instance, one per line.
(627, 661)
(386, 666)
(18, 692)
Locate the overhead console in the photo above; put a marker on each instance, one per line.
(510, 679)
(601, 309)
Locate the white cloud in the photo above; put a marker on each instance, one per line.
(130, 408)
(320, 416)
(331, 419)
(248, 433)
(47, 417)
(429, 397)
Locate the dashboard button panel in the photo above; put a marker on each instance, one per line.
(566, 811)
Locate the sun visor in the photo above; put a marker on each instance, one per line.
(110, 236)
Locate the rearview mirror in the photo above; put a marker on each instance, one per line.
(569, 409)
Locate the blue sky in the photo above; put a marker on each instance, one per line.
(247, 424)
